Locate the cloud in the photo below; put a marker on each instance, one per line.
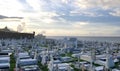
(78, 25)
(7, 19)
(116, 32)
(10, 8)
(92, 7)
(3, 17)
(21, 27)
(116, 12)
(63, 17)
(36, 5)
(43, 32)
(104, 4)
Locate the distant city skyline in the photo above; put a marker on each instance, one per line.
(62, 17)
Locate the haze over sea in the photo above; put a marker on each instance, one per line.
(90, 38)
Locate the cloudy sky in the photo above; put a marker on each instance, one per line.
(62, 17)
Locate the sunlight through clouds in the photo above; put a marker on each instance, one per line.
(72, 17)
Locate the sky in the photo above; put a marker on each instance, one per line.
(62, 17)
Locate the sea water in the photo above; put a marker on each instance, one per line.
(89, 38)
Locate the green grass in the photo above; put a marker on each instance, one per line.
(63, 55)
(46, 46)
(76, 59)
(26, 49)
(43, 68)
(96, 64)
(12, 62)
(67, 54)
(117, 65)
(75, 69)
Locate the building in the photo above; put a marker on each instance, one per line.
(5, 33)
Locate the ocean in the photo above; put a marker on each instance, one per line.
(90, 38)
